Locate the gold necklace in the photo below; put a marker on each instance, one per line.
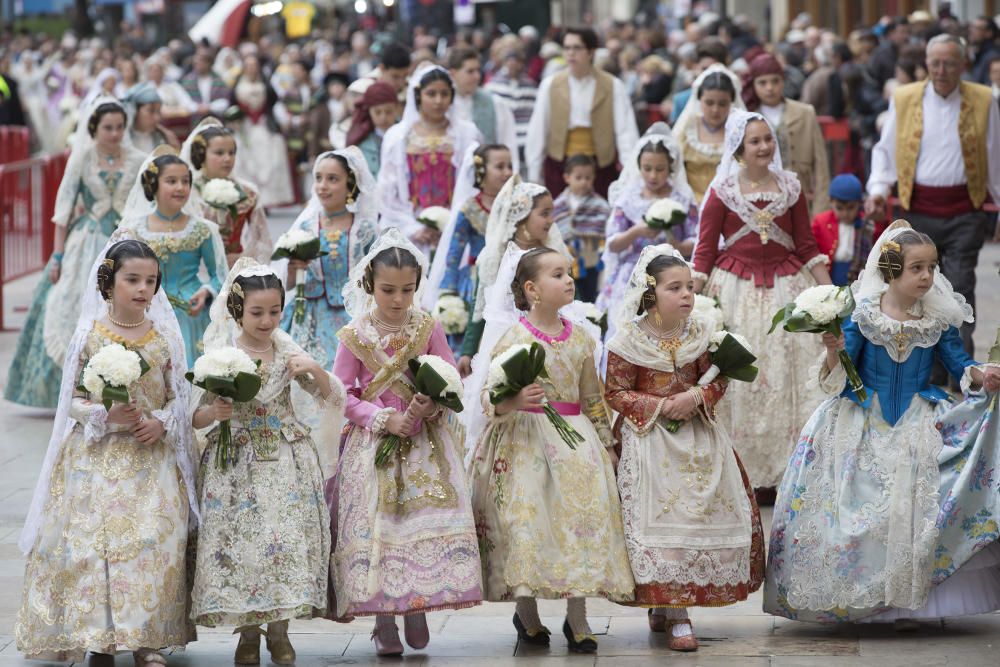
(754, 185)
(669, 341)
(126, 325)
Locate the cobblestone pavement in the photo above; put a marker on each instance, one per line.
(738, 635)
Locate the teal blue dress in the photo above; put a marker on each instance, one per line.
(324, 308)
(36, 371)
(182, 255)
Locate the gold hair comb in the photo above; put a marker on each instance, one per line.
(890, 245)
(237, 290)
(650, 280)
(152, 168)
(477, 160)
(110, 263)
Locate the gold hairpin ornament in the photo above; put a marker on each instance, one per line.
(650, 280)
(153, 169)
(477, 160)
(110, 263)
(200, 140)
(237, 290)
(890, 245)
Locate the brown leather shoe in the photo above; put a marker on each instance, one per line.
(278, 644)
(415, 630)
(686, 643)
(657, 623)
(248, 648)
(386, 636)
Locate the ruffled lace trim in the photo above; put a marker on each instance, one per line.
(168, 420)
(378, 421)
(692, 140)
(741, 204)
(816, 261)
(96, 426)
(898, 338)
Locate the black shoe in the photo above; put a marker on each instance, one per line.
(588, 643)
(540, 638)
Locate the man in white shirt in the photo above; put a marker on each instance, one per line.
(580, 110)
(941, 146)
(204, 87)
(176, 101)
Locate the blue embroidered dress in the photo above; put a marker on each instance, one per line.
(36, 369)
(876, 509)
(182, 255)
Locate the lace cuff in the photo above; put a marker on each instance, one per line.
(95, 426)
(166, 417)
(830, 382)
(377, 424)
(698, 275)
(211, 290)
(816, 261)
(966, 382)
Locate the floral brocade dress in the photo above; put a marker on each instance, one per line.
(404, 538)
(692, 526)
(431, 172)
(264, 540)
(547, 516)
(107, 570)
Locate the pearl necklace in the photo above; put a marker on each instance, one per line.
(126, 325)
(397, 341)
(253, 349)
(664, 335)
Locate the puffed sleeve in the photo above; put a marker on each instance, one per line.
(713, 214)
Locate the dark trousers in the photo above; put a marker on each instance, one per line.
(958, 242)
(552, 175)
(586, 285)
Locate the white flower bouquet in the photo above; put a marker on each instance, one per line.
(665, 214)
(515, 369)
(110, 372)
(435, 217)
(438, 380)
(451, 312)
(820, 309)
(223, 193)
(304, 246)
(709, 309)
(597, 317)
(230, 373)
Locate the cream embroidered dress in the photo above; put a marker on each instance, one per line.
(547, 516)
(106, 570)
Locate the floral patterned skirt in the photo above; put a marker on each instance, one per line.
(548, 517)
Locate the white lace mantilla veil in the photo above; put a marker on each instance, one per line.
(177, 420)
(205, 124)
(693, 108)
(941, 302)
(465, 188)
(82, 146)
(358, 302)
(223, 330)
(500, 314)
(363, 230)
(512, 205)
(393, 180)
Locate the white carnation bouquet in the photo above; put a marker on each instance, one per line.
(820, 309)
(665, 214)
(298, 244)
(708, 308)
(110, 372)
(451, 312)
(435, 217)
(597, 317)
(438, 380)
(230, 373)
(223, 193)
(516, 368)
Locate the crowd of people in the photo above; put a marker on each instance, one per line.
(492, 357)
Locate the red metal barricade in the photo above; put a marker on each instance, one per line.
(15, 142)
(27, 202)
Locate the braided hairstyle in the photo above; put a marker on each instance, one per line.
(480, 157)
(243, 285)
(390, 258)
(527, 269)
(890, 261)
(151, 177)
(657, 266)
(429, 78)
(115, 258)
(102, 111)
(199, 145)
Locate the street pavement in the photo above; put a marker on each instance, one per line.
(737, 635)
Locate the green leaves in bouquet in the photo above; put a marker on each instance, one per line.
(735, 361)
(676, 218)
(111, 394)
(240, 389)
(305, 252)
(521, 369)
(429, 383)
(801, 322)
(994, 356)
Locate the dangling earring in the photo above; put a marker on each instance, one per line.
(657, 318)
(537, 300)
(350, 198)
(741, 162)
(148, 305)
(527, 235)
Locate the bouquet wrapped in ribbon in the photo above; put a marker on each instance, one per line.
(515, 369)
(230, 373)
(820, 309)
(731, 358)
(435, 217)
(451, 312)
(224, 194)
(438, 380)
(301, 245)
(665, 214)
(109, 373)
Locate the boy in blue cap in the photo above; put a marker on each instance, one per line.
(841, 233)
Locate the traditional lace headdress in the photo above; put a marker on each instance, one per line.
(639, 281)
(356, 300)
(138, 207)
(941, 301)
(693, 107)
(512, 205)
(176, 419)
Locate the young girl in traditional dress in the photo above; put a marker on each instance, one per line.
(420, 155)
(484, 172)
(343, 213)
(547, 515)
(769, 258)
(521, 214)
(146, 131)
(106, 534)
(269, 499)
(101, 169)
(653, 171)
(211, 151)
(692, 527)
(701, 127)
(404, 539)
(160, 213)
(884, 513)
